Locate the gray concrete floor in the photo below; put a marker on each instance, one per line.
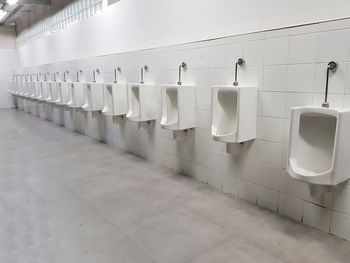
(67, 198)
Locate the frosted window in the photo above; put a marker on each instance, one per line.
(74, 12)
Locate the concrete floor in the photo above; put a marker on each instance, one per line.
(67, 198)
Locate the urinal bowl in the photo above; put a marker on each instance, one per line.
(319, 145)
(62, 93)
(115, 99)
(93, 97)
(234, 113)
(178, 107)
(38, 91)
(142, 100)
(76, 95)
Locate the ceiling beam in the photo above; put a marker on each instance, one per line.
(10, 15)
(34, 2)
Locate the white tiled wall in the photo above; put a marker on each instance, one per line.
(154, 23)
(289, 67)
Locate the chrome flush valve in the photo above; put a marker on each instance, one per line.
(332, 66)
(240, 62)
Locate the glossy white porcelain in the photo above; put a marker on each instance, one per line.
(319, 145)
(62, 93)
(93, 97)
(115, 99)
(76, 94)
(178, 107)
(38, 90)
(234, 113)
(53, 92)
(142, 102)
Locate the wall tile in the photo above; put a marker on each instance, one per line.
(300, 78)
(273, 104)
(275, 78)
(270, 177)
(340, 225)
(290, 207)
(302, 48)
(247, 191)
(268, 199)
(276, 51)
(317, 216)
(271, 129)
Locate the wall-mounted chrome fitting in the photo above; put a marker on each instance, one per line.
(332, 66)
(79, 73)
(65, 75)
(94, 74)
(144, 68)
(183, 66)
(55, 74)
(240, 62)
(45, 76)
(116, 70)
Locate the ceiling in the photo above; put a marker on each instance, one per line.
(22, 8)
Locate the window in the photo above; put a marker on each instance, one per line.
(74, 12)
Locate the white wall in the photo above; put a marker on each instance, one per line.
(139, 24)
(8, 63)
(289, 68)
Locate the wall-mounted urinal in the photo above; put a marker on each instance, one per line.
(38, 90)
(142, 100)
(319, 145)
(63, 91)
(93, 94)
(76, 93)
(178, 105)
(234, 112)
(115, 97)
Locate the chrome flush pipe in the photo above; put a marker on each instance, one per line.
(37, 76)
(184, 67)
(118, 69)
(144, 68)
(94, 75)
(47, 74)
(332, 66)
(64, 75)
(55, 74)
(81, 72)
(240, 62)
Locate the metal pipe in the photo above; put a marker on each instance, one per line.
(94, 75)
(37, 76)
(146, 68)
(64, 75)
(46, 74)
(332, 66)
(240, 62)
(118, 69)
(81, 72)
(183, 66)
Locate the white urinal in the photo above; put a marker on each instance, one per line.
(93, 97)
(52, 92)
(234, 113)
(319, 145)
(142, 100)
(63, 93)
(76, 95)
(31, 89)
(38, 90)
(45, 90)
(115, 99)
(178, 107)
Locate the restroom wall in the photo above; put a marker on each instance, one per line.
(131, 25)
(289, 68)
(8, 63)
